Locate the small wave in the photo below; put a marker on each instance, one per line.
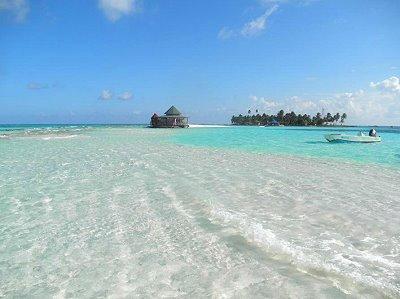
(169, 193)
(58, 137)
(301, 257)
(43, 132)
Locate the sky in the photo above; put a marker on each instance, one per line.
(119, 61)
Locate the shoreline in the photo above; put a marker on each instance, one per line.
(200, 124)
(178, 137)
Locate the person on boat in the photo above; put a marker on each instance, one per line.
(372, 133)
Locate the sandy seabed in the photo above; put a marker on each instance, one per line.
(121, 212)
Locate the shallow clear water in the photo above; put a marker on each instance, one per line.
(129, 211)
(299, 141)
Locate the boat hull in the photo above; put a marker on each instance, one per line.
(349, 138)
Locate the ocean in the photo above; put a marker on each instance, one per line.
(223, 212)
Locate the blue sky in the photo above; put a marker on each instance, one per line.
(118, 61)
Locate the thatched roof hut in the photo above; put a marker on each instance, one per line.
(173, 112)
(172, 118)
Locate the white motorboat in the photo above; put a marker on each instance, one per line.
(351, 138)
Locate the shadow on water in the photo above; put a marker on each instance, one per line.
(316, 142)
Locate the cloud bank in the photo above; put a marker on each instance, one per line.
(391, 84)
(379, 104)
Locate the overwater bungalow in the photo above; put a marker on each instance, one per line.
(172, 118)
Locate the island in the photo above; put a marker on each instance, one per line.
(288, 119)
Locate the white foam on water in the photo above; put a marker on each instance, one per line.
(302, 257)
(58, 137)
(46, 200)
(380, 260)
(168, 191)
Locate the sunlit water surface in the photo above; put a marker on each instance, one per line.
(224, 212)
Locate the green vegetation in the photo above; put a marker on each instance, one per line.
(288, 119)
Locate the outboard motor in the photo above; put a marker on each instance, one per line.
(372, 133)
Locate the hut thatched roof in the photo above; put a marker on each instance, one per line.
(172, 111)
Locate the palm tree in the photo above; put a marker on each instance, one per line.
(288, 119)
(280, 115)
(336, 117)
(343, 118)
(264, 118)
(318, 119)
(328, 118)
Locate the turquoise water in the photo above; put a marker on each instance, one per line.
(303, 141)
(127, 211)
(298, 141)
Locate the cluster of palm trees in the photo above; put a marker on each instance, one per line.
(288, 119)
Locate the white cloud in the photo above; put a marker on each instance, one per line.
(226, 33)
(264, 103)
(268, 2)
(19, 8)
(116, 9)
(391, 84)
(257, 25)
(36, 86)
(106, 95)
(251, 28)
(125, 96)
(299, 2)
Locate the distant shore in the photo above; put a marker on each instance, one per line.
(289, 119)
